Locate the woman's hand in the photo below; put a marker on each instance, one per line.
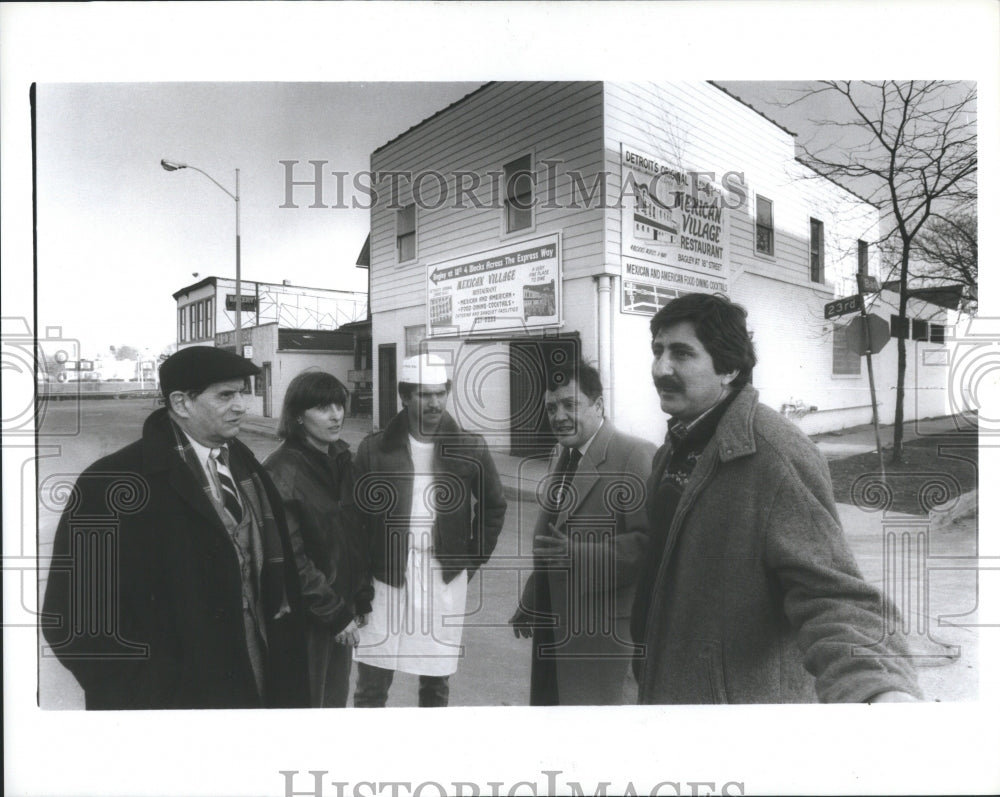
(349, 636)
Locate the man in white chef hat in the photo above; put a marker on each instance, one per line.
(430, 505)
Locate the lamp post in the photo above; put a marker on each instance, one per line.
(173, 166)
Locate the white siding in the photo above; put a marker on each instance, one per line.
(495, 125)
(583, 126)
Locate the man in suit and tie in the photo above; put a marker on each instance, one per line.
(590, 538)
(173, 583)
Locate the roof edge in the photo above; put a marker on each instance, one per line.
(741, 101)
(434, 115)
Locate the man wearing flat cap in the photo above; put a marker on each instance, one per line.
(192, 598)
(431, 507)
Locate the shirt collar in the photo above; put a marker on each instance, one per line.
(583, 449)
(678, 431)
(203, 452)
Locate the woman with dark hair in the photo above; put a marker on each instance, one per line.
(312, 471)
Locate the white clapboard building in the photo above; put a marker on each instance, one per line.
(533, 221)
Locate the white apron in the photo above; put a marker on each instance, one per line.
(417, 628)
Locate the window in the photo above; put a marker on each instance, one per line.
(845, 361)
(209, 325)
(414, 338)
(406, 233)
(181, 315)
(519, 198)
(199, 321)
(863, 258)
(816, 251)
(765, 226)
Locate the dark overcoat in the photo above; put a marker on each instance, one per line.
(757, 597)
(581, 646)
(143, 603)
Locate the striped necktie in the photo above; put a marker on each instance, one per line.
(230, 495)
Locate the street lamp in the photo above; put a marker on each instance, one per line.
(173, 166)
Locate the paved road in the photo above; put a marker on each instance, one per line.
(496, 667)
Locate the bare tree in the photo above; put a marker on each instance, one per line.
(915, 157)
(948, 252)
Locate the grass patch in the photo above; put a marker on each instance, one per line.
(936, 469)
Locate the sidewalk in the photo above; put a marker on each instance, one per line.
(520, 475)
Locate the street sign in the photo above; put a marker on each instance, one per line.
(849, 304)
(878, 329)
(868, 284)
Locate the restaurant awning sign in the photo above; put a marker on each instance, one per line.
(514, 287)
(675, 232)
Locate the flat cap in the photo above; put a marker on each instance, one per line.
(197, 367)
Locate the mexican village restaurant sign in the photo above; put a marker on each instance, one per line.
(675, 233)
(515, 287)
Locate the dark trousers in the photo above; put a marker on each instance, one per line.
(372, 689)
(329, 668)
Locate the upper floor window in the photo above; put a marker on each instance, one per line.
(209, 321)
(199, 321)
(519, 196)
(816, 260)
(863, 258)
(765, 226)
(406, 233)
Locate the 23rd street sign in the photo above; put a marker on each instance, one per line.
(838, 307)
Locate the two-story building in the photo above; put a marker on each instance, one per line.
(284, 328)
(528, 223)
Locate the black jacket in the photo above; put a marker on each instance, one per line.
(467, 496)
(324, 535)
(143, 603)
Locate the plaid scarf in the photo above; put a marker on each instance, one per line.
(271, 554)
(685, 443)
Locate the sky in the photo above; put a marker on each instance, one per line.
(116, 227)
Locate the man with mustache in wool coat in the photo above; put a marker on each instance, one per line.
(750, 593)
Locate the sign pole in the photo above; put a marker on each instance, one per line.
(871, 375)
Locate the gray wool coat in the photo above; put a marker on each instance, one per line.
(757, 598)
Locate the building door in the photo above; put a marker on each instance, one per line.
(264, 382)
(387, 395)
(530, 361)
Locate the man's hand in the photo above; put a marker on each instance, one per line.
(521, 622)
(554, 545)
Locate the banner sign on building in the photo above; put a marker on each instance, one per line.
(247, 303)
(675, 233)
(515, 287)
